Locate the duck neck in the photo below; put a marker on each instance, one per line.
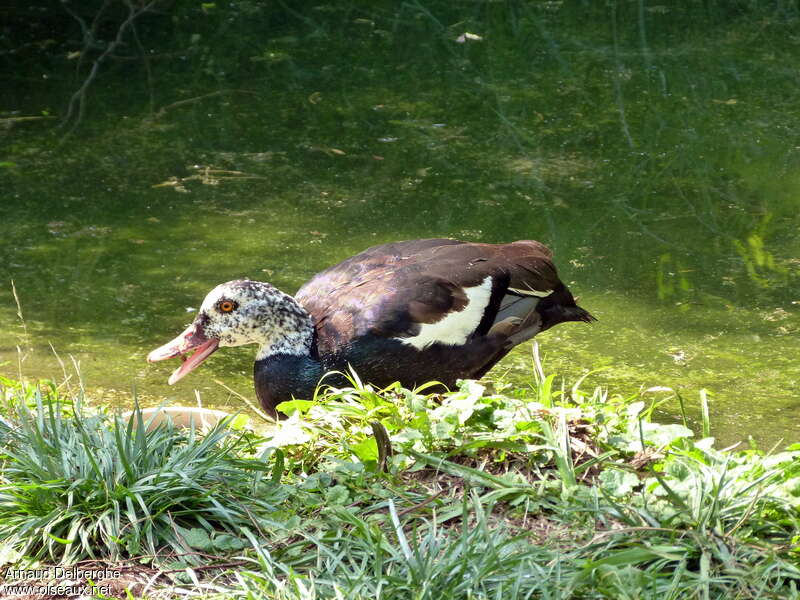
(285, 329)
(286, 364)
(281, 377)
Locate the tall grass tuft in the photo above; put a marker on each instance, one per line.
(90, 485)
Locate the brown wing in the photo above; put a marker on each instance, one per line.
(390, 290)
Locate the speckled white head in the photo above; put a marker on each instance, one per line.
(252, 312)
(237, 313)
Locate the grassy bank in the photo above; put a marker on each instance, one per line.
(549, 492)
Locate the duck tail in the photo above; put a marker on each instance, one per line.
(560, 307)
(576, 313)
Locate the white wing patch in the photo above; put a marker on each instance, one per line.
(455, 327)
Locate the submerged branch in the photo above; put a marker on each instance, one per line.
(194, 100)
(77, 103)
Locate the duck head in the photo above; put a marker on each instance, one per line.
(237, 313)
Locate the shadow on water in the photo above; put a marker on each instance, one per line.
(654, 147)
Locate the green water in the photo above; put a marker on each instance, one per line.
(655, 148)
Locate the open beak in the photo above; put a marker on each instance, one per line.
(192, 338)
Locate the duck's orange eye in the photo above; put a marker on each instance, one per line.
(226, 305)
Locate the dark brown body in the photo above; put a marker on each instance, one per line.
(366, 306)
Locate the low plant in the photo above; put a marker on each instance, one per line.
(553, 492)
